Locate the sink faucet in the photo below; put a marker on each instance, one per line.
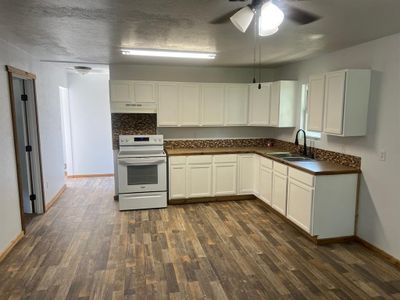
(296, 142)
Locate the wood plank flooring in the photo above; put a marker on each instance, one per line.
(84, 248)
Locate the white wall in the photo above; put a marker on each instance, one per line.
(185, 73)
(379, 219)
(196, 74)
(90, 124)
(10, 223)
(49, 79)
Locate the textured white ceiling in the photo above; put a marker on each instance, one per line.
(94, 30)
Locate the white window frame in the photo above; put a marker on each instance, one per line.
(313, 135)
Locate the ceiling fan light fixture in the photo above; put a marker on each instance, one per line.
(270, 18)
(243, 18)
(267, 31)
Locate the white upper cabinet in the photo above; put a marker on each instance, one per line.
(145, 92)
(334, 102)
(122, 91)
(212, 104)
(347, 95)
(168, 104)
(127, 96)
(283, 104)
(236, 102)
(189, 104)
(259, 104)
(316, 94)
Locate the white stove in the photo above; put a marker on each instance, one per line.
(142, 172)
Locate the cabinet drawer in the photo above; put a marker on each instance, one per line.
(226, 158)
(280, 168)
(177, 160)
(265, 162)
(303, 177)
(199, 159)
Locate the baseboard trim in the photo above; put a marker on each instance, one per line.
(340, 239)
(11, 245)
(91, 175)
(379, 252)
(56, 197)
(211, 199)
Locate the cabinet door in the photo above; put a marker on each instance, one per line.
(177, 181)
(299, 204)
(275, 102)
(121, 91)
(265, 185)
(256, 172)
(316, 94)
(236, 102)
(189, 104)
(334, 102)
(199, 180)
(224, 175)
(212, 106)
(168, 104)
(145, 92)
(259, 103)
(279, 191)
(246, 174)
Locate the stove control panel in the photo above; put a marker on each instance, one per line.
(140, 140)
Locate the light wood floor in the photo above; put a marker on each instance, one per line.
(84, 248)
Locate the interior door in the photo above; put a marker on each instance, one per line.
(27, 145)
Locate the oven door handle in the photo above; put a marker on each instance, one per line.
(144, 162)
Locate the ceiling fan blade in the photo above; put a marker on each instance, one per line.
(225, 17)
(299, 16)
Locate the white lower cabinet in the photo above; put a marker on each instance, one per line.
(300, 204)
(177, 177)
(279, 189)
(224, 175)
(199, 182)
(323, 206)
(199, 176)
(246, 174)
(265, 181)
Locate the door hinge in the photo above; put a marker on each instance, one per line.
(32, 197)
(24, 97)
(28, 148)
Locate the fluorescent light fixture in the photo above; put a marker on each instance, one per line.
(242, 18)
(270, 19)
(168, 53)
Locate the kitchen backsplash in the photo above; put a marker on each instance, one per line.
(335, 157)
(132, 124)
(216, 143)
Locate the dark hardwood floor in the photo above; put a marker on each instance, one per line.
(84, 248)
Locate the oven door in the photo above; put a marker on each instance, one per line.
(142, 174)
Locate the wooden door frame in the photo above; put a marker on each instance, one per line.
(12, 73)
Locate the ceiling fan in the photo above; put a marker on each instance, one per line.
(271, 14)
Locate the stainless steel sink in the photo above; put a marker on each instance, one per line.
(282, 154)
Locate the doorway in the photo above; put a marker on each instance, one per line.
(27, 143)
(66, 131)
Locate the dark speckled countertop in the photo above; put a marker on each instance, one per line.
(314, 167)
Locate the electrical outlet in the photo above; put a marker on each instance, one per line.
(382, 155)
